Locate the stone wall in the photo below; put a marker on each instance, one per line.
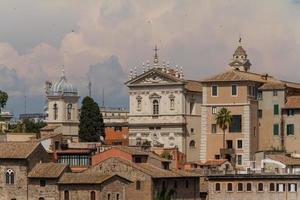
(49, 191)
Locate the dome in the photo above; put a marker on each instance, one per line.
(63, 88)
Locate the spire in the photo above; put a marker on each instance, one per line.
(155, 55)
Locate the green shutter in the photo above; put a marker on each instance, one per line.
(276, 109)
(275, 129)
(290, 129)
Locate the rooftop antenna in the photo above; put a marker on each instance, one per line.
(90, 88)
(103, 97)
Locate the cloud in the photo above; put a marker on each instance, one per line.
(38, 38)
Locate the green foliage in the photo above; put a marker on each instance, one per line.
(223, 119)
(27, 126)
(91, 125)
(165, 195)
(3, 99)
(166, 155)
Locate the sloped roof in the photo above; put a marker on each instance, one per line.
(47, 170)
(17, 150)
(292, 102)
(85, 178)
(154, 171)
(139, 151)
(193, 86)
(240, 51)
(214, 162)
(285, 159)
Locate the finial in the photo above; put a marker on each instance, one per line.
(130, 74)
(144, 68)
(63, 71)
(135, 71)
(155, 55)
(240, 40)
(148, 64)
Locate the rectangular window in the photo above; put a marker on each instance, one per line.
(214, 128)
(42, 183)
(275, 129)
(276, 109)
(239, 144)
(280, 187)
(240, 187)
(290, 112)
(274, 93)
(236, 124)
(214, 110)
(260, 113)
(239, 159)
(292, 187)
(214, 90)
(229, 144)
(233, 90)
(290, 129)
(259, 95)
(272, 187)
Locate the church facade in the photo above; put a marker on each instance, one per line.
(164, 109)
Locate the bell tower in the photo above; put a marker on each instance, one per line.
(239, 60)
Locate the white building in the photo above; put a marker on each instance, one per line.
(165, 109)
(62, 109)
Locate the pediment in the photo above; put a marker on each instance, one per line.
(154, 77)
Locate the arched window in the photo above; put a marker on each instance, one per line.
(155, 107)
(93, 195)
(10, 177)
(55, 111)
(249, 187)
(172, 103)
(69, 111)
(218, 187)
(229, 187)
(117, 196)
(138, 185)
(192, 144)
(240, 187)
(260, 187)
(108, 196)
(66, 195)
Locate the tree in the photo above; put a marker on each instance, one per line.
(91, 121)
(3, 99)
(223, 120)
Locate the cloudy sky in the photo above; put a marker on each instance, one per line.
(100, 40)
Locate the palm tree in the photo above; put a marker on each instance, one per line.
(223, 119)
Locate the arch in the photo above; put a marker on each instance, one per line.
(229, 187)
(108, 196)
(69, 111)
(93, 195)
(55, 111)
(218, 187)
(155, 104)
(192, 144)
(10, 177)
(117, 196)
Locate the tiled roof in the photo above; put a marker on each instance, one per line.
(154, 171)
(17, 150)
(139, 151)
(215, 162)
(240, 51)
(273, 85)
(292, 102)
(285, 159)
(193, 86)
(85, 178)
(47, 170)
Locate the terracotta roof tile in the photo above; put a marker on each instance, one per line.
(193, 86)
(285, 159)
(17, 150)
(292, 102)
(85, 178)
(47, 170)
(215, 162)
